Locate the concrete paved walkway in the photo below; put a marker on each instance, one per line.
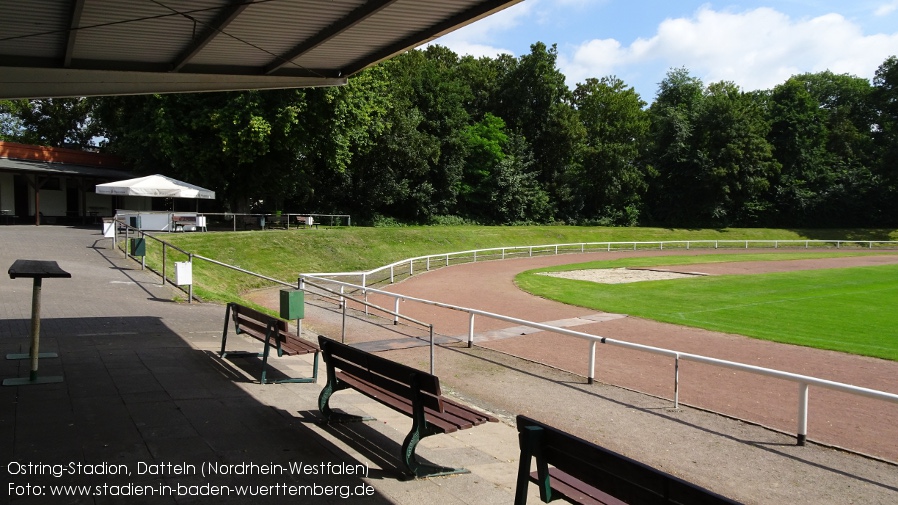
(146, 406)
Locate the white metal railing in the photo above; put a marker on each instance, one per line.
(804, 381)
(474, 255)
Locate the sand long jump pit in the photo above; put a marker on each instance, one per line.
(622, 275)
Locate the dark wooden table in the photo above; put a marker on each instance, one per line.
(37, 270)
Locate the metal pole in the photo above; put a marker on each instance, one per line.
(802, 412)
(343, 334)
(35, 326)
(677, 382)
(431, 350)
(396, 311)
(471, 331)
(190, 287)
(592, 362)
(163, 263)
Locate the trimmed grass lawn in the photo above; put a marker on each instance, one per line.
(850, 309)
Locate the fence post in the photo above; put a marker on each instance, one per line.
(396, 312)
(428, 263)
(802, 413)
(391, 274)
(411, 268)
(471, 330)
(677, 381)
(475, 256)
(163, 263)
(591, 379)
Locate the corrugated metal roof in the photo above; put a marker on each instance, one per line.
(61, 169)
(88, 47)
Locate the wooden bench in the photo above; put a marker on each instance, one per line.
(586, 473)
(179, 222)
(404, 389)
(273, 333)
(306, 222)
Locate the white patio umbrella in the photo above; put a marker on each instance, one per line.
(155, 186)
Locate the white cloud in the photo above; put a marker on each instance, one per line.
(886, 9)
(756, 49)
(477, 38)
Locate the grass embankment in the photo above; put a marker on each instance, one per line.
(285, 254)
(849, 310)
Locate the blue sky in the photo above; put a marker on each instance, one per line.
(757, 45)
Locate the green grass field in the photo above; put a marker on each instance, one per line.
(850, 310)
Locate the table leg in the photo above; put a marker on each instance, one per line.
(35, 342)
(33, 354)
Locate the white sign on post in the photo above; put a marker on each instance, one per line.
(183, 273)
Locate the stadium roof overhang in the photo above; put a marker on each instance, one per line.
(59, 48)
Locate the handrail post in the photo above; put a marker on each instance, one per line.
(143, 259)
(802, 412)
(343, 333)
(471, 330)
(431, 350)
(190, 286)
(396, 312)
(411, 268)
(391, 274)
(591, 379)
(163, 263)
(677, 381)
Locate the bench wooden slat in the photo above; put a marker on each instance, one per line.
(590, 472)
(404, 389)
(576, 490)
(446, 421)
(389, 369)
(364, 373)
(272, 332)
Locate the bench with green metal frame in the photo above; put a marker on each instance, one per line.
(404, 389)
(583, 472)
(272, 332)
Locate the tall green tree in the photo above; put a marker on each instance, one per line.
(822, 130)
(674, 164)
(609, 179)
(244, 145)
(55, 122)
(885, 102)
(536, 103)
(735, 159)
(710, 152)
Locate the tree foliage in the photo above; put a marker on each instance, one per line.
(429, 136)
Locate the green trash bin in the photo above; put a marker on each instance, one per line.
(138, 247)
(292, 304)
